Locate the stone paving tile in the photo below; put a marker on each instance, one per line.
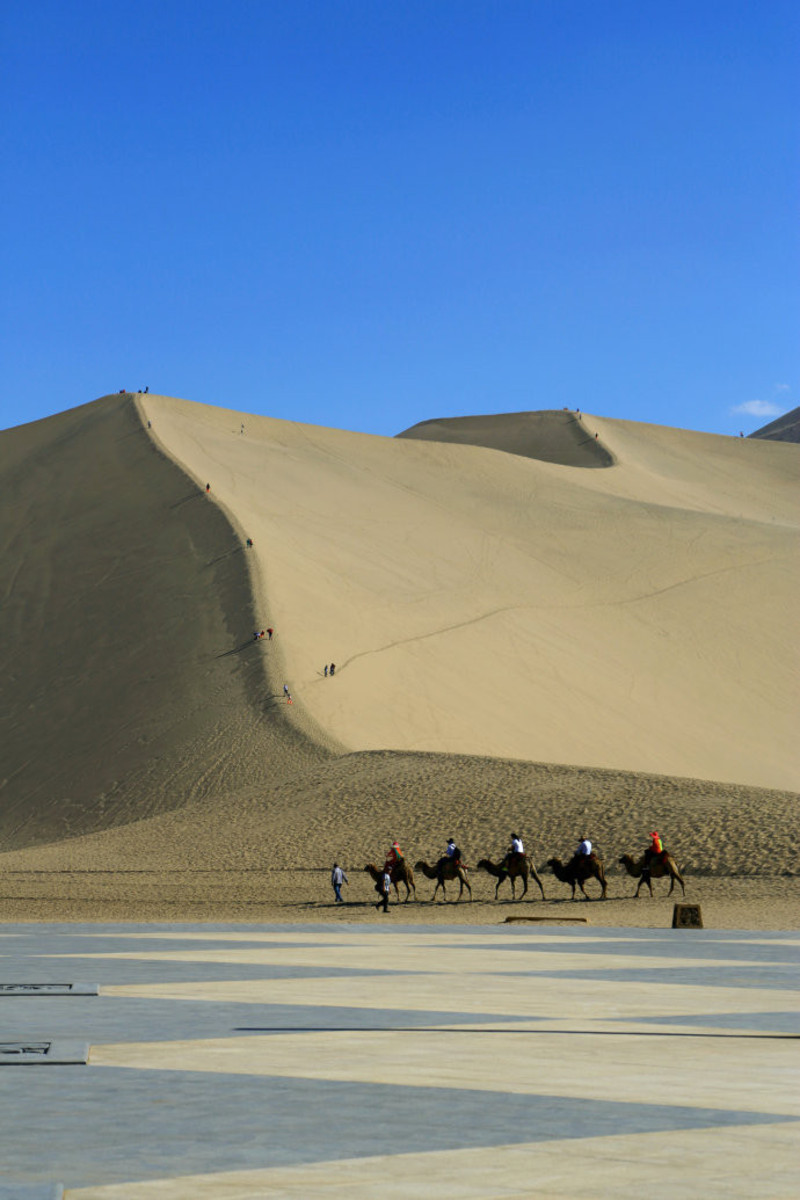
(133, 1019)
(105, 970)
(272, 1054)
(761, 1022)
(718, 1165)
(104, 1124)
(708, 949)
(763, 976)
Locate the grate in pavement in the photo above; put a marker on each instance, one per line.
(48, 989)
(46, 1054)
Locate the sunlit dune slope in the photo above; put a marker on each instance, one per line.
(642, 616)
(124, 599)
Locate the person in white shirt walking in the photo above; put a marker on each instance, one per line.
(338, 877)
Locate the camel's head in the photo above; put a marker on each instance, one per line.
(553, 862)
(483, 864)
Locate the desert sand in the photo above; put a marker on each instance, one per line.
(534, 628)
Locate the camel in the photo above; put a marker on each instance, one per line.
(578, 871)
(658, 868)
(401, 873)
(446, 868)
(516, 866)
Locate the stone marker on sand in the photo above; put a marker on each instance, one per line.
(687, 916)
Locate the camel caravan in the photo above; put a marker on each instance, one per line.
(517, 865)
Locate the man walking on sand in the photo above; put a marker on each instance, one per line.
(338, 877)
(386, 883)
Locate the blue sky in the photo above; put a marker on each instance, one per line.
(367, 213)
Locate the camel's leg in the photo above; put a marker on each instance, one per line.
(513, 888)
(524, 886)
(538, 880)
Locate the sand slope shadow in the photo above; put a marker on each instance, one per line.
(118, 595)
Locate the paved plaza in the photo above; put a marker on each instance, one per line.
(390, 1061)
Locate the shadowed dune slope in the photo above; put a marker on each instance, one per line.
(124, 593)
(782, 429)
(552, 436)
(641, 617)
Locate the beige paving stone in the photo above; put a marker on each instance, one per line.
(758, 1162)
(439, 961)
(753, 1074)
(582, 999)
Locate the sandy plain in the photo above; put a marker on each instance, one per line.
(600, 639)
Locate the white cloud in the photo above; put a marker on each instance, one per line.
(759, 408)
(782, 387)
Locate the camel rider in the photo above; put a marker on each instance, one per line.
(654, 850)
(393, 857)
(453, 851)
(583, 851)
(516, 847)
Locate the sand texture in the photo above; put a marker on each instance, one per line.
(641, 616)
(533, 629)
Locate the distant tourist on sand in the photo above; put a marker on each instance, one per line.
(332, 669)
(249, 543)
(287, 694)
(242, 429)
(208, 488)
(269, 635)
(338, 877)
(384, 888)
(326, 671)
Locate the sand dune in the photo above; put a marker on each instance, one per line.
(785, 428)
(559, 437)
(125, 597)
(637, 617)
(519, 643)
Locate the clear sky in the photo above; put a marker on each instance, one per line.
(367, 213)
